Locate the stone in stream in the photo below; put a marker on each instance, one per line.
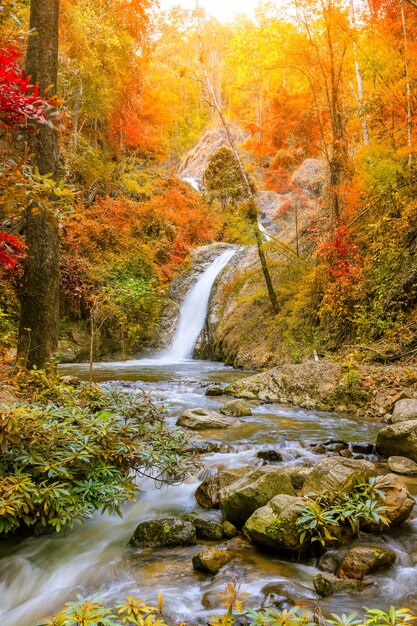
(207, 494)
(404, 410)
(269, 456)
(242, 497)
(236, 408)
(329, 561)
(203, 419)
(214, 390)
(164, 532)
(327, 585)
(362, 560)
(398, 439)
(230, 530)
(206, 528)
(401, 465)
(335, 474)
(211, 560)
(398, 502)
(274, 526)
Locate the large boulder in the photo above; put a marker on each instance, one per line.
(338, 474)
(404, 410)
(240, 499)
(362, 560)
(327, 584)
(312, 176)
(236, 408)
(164, 532)
(206, 528)
(211, 560)
(401, 465)
(399, 439)
(207, 494)
(202, 419)
(398, 501)
(274, 526)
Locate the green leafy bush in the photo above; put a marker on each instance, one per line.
(323, 514)
(61, 463)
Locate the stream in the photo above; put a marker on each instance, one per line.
(38, 575)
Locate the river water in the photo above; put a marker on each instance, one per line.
(39, 574)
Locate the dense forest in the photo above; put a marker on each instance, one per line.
(194, 210)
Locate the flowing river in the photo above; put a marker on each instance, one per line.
(38, 575)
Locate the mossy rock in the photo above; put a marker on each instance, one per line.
(164, 532)
(274, 526)
(240, 499)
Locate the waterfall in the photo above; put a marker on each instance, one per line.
(194, 311)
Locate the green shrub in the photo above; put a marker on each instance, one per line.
(323, 514)
(61, 463)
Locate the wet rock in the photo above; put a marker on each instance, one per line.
(241, 498)
(398, 502)
(319, 449)
(214, 390)
(269, 456)
(329, 561)
(401, 465)
(211, 560)
(328, 584)
(362, 560)
(398, 439)
(230, 530)
(8, 395)
(211, 600)
(298, 475)
(274, 597)
(236, 408)
(202, 419)
(70, 381)
(336, 446)
(337, 474)
(164, 532)
(362, 447)
(208, 447)
(207, 494)
(404, 410)
(206, 528)
(274, 526)
(346, 453)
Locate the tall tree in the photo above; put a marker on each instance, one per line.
(38, 332)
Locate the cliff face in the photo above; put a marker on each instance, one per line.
(241, 328)
(196, 161)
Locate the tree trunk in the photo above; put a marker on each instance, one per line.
(76, 114)
(216, 106)
(359, 81)
(38, 332)
(408, 88)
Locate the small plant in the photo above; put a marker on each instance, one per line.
(324, 513)
(317, 523)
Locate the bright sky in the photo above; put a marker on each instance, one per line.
(224, 10)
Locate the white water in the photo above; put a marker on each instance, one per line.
(263, 231)
(194, 312)
(193, 182)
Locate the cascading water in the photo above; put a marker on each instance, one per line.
(194, 311)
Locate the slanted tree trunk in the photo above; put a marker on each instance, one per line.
(408, 87)
(38, 332)
(253, 211)
(359, 81)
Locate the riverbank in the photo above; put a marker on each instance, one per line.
(369, 391)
